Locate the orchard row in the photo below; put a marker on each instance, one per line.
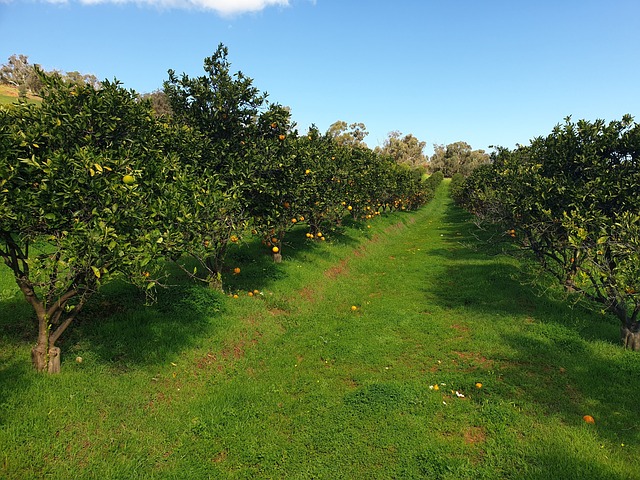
(571, 200)
(94, 185)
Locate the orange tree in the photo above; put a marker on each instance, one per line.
(322, 177)
(571, 200)
(273, 197)
(85, 185)
(218, 109)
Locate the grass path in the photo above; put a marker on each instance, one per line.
(294, 383)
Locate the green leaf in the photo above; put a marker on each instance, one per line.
(96, 271)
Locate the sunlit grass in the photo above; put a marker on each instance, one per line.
(294, 383)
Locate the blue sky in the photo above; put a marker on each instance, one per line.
(488, 72)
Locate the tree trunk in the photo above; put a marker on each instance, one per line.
(39, 357)
(277, 257)
(630, 335)
(215, 281)
(45, 359)
(54, 360)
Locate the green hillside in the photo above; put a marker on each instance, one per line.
(9, 95)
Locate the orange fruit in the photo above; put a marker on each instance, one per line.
(294, 220)
(128, 180)
(354, 308)
(478, 385)
(236, 270)
(281, 137)
(233, 238)
(588, 419)
(349, 208)
(307, 171)
(275, 249)
(250, 294)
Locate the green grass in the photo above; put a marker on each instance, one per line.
(9, 95)
(292, 383)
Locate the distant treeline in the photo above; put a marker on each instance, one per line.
(21, 74)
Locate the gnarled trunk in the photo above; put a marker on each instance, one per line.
(45, 356)
(630, 335)
(44, 359)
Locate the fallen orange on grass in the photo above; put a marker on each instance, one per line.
(588, 419)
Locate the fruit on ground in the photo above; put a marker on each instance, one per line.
(128, 180)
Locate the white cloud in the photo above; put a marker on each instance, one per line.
(223, 7)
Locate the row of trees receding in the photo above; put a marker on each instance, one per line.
(95, 186)
(572, 200)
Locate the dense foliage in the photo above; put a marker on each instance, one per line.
(94, 185)
(571, 199)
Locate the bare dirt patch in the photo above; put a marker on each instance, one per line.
(337, 270)
(474, 435)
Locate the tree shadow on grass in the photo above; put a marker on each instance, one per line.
(17, 333)
(490, 274)
(564, 358)
(259, 271)
(120, 330)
